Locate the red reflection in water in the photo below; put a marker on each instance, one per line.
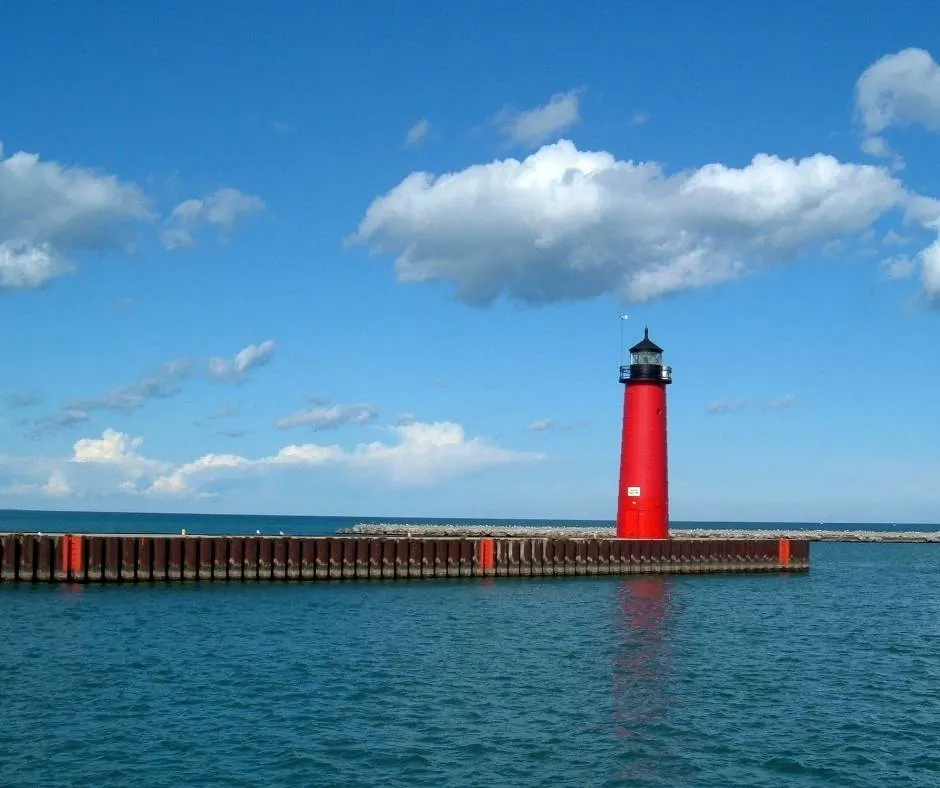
(642, 663)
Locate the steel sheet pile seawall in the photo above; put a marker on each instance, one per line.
(126, 558)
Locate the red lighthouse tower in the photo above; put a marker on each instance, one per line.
(643, 498)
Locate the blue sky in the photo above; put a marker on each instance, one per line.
(369, 258)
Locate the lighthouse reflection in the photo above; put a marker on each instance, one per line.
(642, 659)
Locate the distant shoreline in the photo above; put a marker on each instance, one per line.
(813, 535)
(750, 526)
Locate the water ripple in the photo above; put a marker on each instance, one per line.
(759, 680)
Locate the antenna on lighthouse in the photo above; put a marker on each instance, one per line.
(622, 318)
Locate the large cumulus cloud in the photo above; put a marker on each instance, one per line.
(565, 223)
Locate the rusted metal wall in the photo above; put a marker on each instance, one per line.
(128, 558)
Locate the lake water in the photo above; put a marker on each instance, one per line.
(828, 678)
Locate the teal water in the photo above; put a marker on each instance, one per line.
(828, 678)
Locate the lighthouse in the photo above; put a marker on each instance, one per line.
(643, 497)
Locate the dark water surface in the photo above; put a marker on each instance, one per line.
(829, 678)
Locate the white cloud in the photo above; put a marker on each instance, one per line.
(70, 207)
(781, 403)
(897, 90)
(899, 267)
(544, 425)
(176, 482)
(541, 425)
(535, 126)
(565, 224)
(417, 133)
(67, 417)
(894, 239)
(210, 466)
(929, 259)
(422, 454)
(417, 453)
(117, 449)
(111, 447)
(330, 417)
(639, 118)
(174, 238)
(223, 209)
(25, 266)
(238, 368)
(723, 407)
(304, 454)
(163, 382)
(878, 146)
(70, 416)
(49, 211)
(925, 210)
(57, 485)
(427, 453)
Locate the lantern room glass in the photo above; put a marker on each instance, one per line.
(647, 357)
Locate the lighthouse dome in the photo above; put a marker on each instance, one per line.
(646, 351)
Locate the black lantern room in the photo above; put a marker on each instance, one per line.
(646, 362)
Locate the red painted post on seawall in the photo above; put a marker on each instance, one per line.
(71, 557)
(643, 496)
(783, 552)
(487, 554)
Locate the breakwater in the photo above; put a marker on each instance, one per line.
(133, 558)
(812, 535)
